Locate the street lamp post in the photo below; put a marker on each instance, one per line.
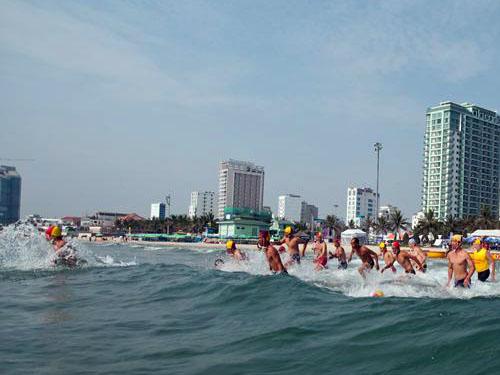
(378, 147)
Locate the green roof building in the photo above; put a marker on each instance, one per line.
(243, 223)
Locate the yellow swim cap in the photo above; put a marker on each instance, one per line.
(477, 241)
(378, 293)
(457, 237)
(382, 245)
(229, 244)
(288, 230)
(56, 232)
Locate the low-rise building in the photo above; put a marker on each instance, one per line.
(243, 223)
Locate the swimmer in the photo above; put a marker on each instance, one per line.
(272, 255)
(233, 252)
(482, 259)
(404, 258)
(460, 264)
(65, 254)
(48, 233)
(388, 258)
(339, 254)
(368, 257)
(292, 243)
(416, 251)
(320, 252)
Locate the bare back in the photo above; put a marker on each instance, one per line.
(274, 260)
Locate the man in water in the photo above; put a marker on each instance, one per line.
(65, 254)
(339, 254)
(417, 251)
(482, 259)
(320, 252)
(404, 259)
(292, 242)
(272, 255)
(368, 257)
(460, 264)
(234, 252)
(388, 258)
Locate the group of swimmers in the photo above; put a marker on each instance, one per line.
(461, 264)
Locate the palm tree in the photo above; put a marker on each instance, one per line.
(428, 225)
(351, 224)
(382, 225)
(485, 220)
(334, 225)
(451, 224)
(367, 224)
(397, 222)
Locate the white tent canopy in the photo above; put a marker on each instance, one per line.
(486, 233)
(349, 234)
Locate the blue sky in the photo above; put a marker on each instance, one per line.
(121, 102)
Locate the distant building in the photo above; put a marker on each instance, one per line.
(158, 211)
(361, 204)
(289, 207)
(101, 222)
(241, 185)
(202, 203)
(386, 211)
(308, 213)
(10, 195)
(461, 160)
(72, 220)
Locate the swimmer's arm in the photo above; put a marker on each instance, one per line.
(472, 268)
(415, 259)
(375, 258)
(387, 266)
(350, 256)
(492, 262)
(450, 273)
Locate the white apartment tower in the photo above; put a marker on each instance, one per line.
(158, 211)
(241, 185)
(461, 160)
(202, 203)
(361, 204)
(289, 207)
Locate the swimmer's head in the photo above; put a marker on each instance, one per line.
(477, 241)
(336, 242)
(230, 245)
(319, 236)
(412, 242)
(382, 245)
(355, 242)
(395, 247)
(456, 241)
(288, 230)
(56, 233)
(218, 263)
(264, 238)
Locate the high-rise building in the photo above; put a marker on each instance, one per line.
(308, 213)
(241, 185)
(361, 204)
(158, 211)
(289, 207)
(10, 195)
(461, 160)
(202, 203)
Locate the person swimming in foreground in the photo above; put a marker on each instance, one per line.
(482, 259)
(404, 259)
(339, 254)
(233, 252)
(292, 242)
(65, 254)
(460, 264)
(272, 255)
(320, 252)
(368, 257)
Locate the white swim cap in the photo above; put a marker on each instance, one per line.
(412, 241)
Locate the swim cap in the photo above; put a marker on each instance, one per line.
(264, 234)
(477, 241)
(282, 249)
(395, 244)
(382, 245)
(378, 293)
(229, 245)
(288, 230)
(56, 232)
(457, 237)
(412, 241)
(48, 232)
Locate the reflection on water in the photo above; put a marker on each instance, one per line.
(60, 296)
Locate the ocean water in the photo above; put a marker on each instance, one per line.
(145, 309)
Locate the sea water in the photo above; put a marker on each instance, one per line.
(145, 309)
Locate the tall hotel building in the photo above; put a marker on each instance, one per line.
(461, 160)
(241, 185)
(361, 204)
(10, 195)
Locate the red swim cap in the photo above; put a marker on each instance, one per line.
(282, 249)
(395, 244)
(48, 232)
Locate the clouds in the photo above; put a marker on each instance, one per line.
(159, 92)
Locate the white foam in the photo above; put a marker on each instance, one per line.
(432, 284)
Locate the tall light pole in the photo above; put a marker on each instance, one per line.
(378, 147)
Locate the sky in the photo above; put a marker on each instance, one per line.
(122, 102)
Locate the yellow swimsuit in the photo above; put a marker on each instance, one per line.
(480, 260)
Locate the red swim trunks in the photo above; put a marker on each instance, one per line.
(322, 261)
